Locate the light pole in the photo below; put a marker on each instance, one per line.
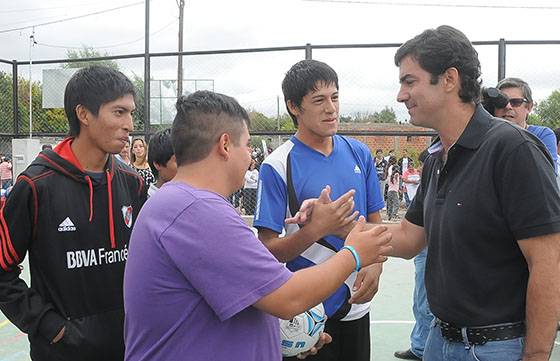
(32, 43)
(181, 4)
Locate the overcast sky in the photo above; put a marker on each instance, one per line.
(368, 78)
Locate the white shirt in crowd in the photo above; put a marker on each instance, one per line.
(251, 179)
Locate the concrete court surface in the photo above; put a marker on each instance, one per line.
(391, 318)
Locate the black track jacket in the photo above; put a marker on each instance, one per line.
(76, 230)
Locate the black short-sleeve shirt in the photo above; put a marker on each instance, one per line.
(497, 187)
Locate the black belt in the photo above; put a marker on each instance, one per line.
(481, 335)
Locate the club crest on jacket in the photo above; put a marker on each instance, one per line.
(127, 215)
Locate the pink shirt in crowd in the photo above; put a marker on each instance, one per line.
(394, 183)
(5, 170)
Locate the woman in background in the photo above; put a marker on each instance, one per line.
(140, 161)
(394, 182)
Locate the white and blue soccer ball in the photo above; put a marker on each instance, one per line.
(303, 331)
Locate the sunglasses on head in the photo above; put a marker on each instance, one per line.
(516, 102)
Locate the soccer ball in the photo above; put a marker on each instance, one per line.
(302, 332)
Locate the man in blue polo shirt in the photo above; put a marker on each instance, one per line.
(517, 110)
(301, 168)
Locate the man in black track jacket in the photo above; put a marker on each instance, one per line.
(73, 210)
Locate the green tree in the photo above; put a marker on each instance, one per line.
(360, 117)
(44, 120)
(286, 123)
(6, 105)
(88, 52)
(548, 111)
(387, 115)
(138, 117)
(260, 122)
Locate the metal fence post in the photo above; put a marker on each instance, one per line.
(15, 112)
(147, 74)
(308, 50)
(501, 59)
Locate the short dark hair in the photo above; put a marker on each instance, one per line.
(92, 87)
(302, 78)
(161, 150)
(557, 134)
(516, 83)
(437, 50)
(201, 118)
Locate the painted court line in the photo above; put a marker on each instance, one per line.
(391, 322)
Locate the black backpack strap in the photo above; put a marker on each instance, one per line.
(293, 204)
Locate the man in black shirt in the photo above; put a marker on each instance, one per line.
(489, 208)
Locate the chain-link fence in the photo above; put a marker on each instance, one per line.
(399, 146)
(367, 76)
(368, 80)
(48, 81)
(6, 99)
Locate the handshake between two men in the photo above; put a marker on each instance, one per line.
(372, 242)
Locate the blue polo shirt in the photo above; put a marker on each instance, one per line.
(547, 137)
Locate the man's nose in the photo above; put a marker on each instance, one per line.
(329, 106)
(402, 95)
(129, 123)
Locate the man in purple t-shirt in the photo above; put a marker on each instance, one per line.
(198, 284)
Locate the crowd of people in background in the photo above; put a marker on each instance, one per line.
(398, 179)
(137, 154)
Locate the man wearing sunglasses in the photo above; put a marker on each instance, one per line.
(517, 111)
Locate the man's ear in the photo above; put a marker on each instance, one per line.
(83, 114)
(451, 79)
(224, 145)
(173, 158)
(294, 109)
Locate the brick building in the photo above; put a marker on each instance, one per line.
(414, 144)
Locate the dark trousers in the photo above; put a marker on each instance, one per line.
(351, 342)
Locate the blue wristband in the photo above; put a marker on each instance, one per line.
(355, 255)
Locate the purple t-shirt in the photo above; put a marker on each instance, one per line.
(193, 272)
